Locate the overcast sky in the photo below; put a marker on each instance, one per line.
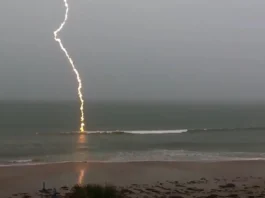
(134, 49)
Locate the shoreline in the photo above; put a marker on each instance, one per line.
(22, 179)
(248, 160)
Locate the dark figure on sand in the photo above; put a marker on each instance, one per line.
(54, 193)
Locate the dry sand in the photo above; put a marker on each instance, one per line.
(143, 179)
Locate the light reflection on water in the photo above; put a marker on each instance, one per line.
(82, 138)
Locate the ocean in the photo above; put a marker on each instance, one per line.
(46, 132)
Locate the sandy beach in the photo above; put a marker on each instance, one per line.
(142, 179)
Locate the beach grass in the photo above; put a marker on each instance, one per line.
(95, 191)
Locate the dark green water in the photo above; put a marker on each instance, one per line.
(64, 116)
(35, 132)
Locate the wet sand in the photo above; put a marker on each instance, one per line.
(143, 179)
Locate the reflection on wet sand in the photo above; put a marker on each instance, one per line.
(82, 139)
(81, 176)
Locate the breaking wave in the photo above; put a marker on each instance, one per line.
(18, 162)
(161, 132)
(141, 132)
(151, 156)
(22, 161)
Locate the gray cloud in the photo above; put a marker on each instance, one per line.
(148, 49)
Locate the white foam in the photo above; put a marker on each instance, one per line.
(134, 132)
(158, 131)
(180, 155)
(21, 161)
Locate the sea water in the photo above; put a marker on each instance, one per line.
(45, 132)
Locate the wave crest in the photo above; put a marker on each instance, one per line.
(22, 161)
(140, 132)
(18, 162)
(154, 132)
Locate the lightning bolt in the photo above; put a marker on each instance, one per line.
(80, 94)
